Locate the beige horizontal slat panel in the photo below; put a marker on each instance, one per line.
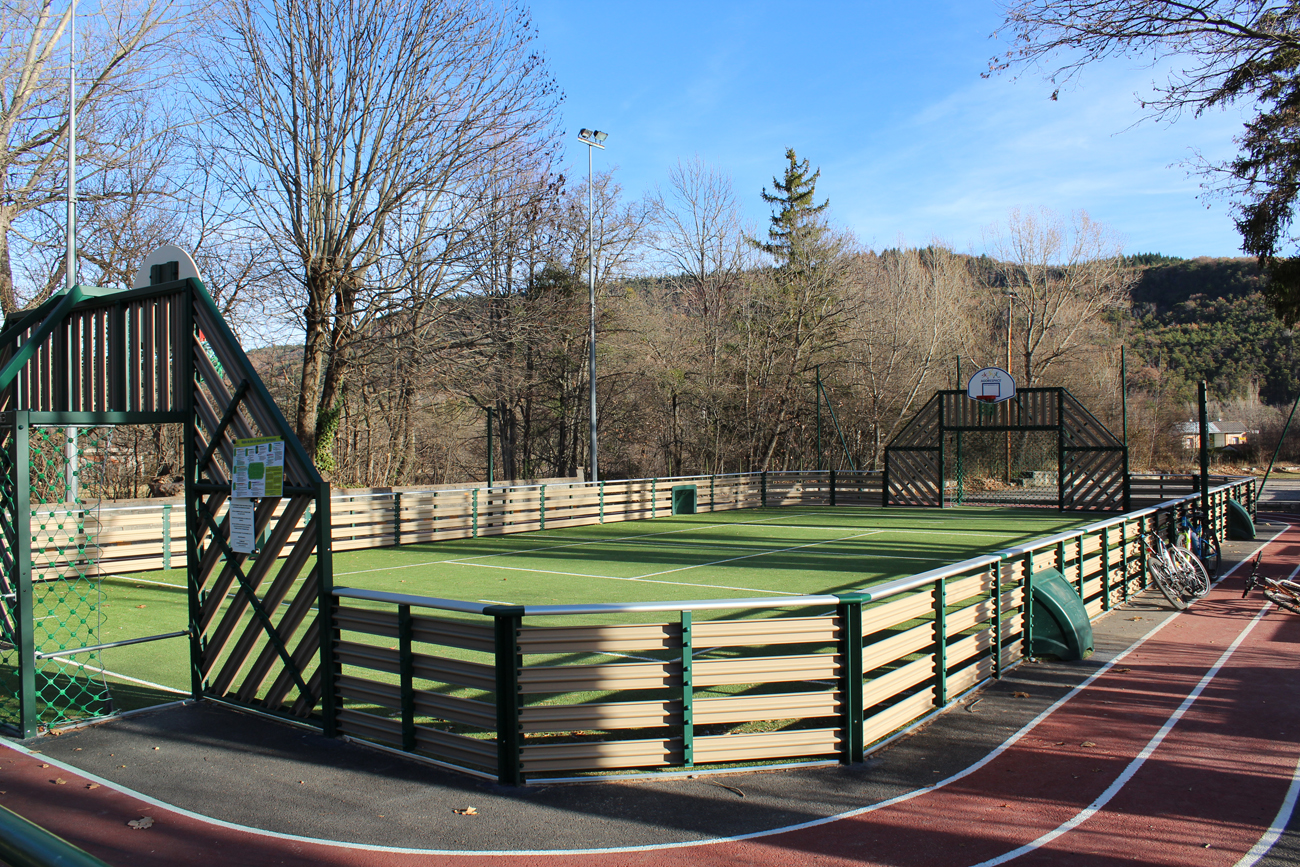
(498, 530)
(602, 755)
(358, 544)
(886, 721)
(776, 630)
(896, 647)
(457, 748)
(412, 536)
(885, 687)
(972, 615)
(464, 634)
(586, 678)
(599, 639)
(124, 536)
(749, 708)
(367, 656)
(1092, 543)
(1045, 559)
(898, 611)
(351, 688)
(454, 671)
(1092, 587)
(1012, 598)
(970, 676)
(960, 651)
(766, 669)
(1094, 608)
(456, 709)
(368, 621)
(367, 725)
(1092, 565)
(605, 716)
(748, 746)
(962, 589)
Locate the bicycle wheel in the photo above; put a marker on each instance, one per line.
(1285, 595)
(1192, 573)
(1158, 571)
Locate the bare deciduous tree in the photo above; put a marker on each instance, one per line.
(125, 50)
(362, 130)
(1060, 276)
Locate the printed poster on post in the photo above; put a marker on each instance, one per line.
(259, 468)
(243, 537)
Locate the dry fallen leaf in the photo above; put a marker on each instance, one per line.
(156, 748)
(1020, 694)
(1087, 744)
(1123, 670)
(59, 781)
(44, 766)
(141, 823)
(92, 785)
(468, 811)
(139, 606)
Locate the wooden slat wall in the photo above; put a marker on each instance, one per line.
(608, 697)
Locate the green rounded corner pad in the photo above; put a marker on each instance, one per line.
(1240, 527)
(1061, 625)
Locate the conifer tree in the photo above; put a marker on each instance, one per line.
(797, 227)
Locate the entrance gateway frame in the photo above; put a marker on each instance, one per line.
(1092, 463)
(163, 354)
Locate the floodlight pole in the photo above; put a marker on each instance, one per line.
(70, 266)
(592, 139)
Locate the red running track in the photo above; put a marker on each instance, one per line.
(1182, 752)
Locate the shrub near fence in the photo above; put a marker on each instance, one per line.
(541, 692)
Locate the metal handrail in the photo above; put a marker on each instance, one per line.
(23, 843)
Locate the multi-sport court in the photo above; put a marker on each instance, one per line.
(743, 554)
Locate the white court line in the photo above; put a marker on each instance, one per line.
(134, 679)
(1280, 821)
(146, 581)
(906, 530)
(649, 847)
(759, 554)
(643, 580)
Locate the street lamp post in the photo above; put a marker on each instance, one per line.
(592, 138)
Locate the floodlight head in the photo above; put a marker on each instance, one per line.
(592, 137)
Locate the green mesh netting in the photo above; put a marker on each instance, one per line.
(64, 478)
(1002, 468)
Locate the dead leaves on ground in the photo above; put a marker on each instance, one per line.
(466, 811)
(141, 823)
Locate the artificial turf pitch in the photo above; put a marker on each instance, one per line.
(749, 553)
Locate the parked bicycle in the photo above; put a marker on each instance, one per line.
(1196, 534)
(1280, 591)
(1178, 573)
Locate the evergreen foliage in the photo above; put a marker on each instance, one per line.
(796, 226)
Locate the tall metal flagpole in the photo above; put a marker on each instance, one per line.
(70, 433)
(592, 138)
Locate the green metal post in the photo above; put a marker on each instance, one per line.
(997, 619)
(1027, 605)
(849, 614)
(819, 418)
(406, 674)
(832, 479)
(474, 514)
(601, 483)
(397, 517)
(167, 536)
(542, 496)
(688, 692)
(654, 497)
(763, 488)
(508, 619)
(940, 642)
(1205, 449)
(27, 712)
(961, 476)
(326, 605)
(1105, 568)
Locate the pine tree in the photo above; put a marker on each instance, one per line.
(797, 227)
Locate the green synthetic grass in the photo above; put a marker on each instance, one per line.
(733, 554)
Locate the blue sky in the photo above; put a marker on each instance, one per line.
(887, 99)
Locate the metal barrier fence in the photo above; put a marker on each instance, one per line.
(544, 691)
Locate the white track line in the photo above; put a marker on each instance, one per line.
(1280, 821)
(1138, 761)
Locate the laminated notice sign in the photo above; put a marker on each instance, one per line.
(259, 468)
(243, 537)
